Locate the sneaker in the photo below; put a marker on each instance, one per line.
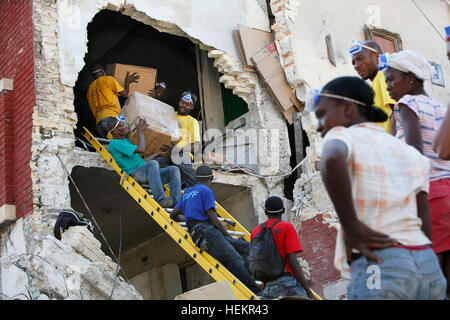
(166, 203)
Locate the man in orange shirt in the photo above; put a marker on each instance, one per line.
(103, 98)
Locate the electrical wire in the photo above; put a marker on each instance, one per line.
(93, 218)
(120, 242)
(266, 177)
(423, 13)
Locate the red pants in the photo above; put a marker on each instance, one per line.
(439, 202)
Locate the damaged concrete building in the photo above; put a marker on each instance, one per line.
(47, 49)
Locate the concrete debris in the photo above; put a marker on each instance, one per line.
(63, 270)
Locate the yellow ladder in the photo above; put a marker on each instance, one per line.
(179, 234)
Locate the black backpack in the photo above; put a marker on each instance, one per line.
(69, 218)
(265, 262)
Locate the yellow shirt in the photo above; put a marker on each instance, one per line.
(382, 99)
(189, 131)
(102, 97)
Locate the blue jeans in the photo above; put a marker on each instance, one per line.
(284, 286)
(232, 253)
(156, 178)
(402, 274)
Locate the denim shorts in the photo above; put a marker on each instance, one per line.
(285, 286)
(402, 275)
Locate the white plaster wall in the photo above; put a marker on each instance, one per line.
(344, 20)
(13, 281)
(211, 22)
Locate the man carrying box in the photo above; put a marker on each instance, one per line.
(189, 144)
(103, 98)
(127, 157)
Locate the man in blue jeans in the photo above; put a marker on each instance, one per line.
(207, 232)
(292, 282)
(127, 157)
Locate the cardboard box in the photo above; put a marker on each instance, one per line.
(249, 41)
(215, 291)
(147, 76)
(264, 53)
(268, 66)
(161, 118)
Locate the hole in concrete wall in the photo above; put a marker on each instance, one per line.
(150, 258)
(295, 158)
(290, 181)
(116, 38)
(152, 261)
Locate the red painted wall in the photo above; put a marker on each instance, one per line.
(16, 107)
(318, 240)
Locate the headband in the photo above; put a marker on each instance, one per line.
(98, 70)
(188, 98)
(357, 47)
(276, 211)
(336, 96)
(209, 176)
(163, 84)
(120, 118)
(313, 95)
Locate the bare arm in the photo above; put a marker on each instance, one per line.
(129, 79)
(177, 215)
(423, 212)
(213, 218)
(411, 127)
(441, 143)
(298, 273)
(140, 129)
(156, 154)
(393, 122)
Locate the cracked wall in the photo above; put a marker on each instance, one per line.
(59, 52)
(300, 28)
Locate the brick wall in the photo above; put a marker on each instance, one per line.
(318, 240)
(16, 106)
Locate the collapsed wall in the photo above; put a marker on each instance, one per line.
(54, 155)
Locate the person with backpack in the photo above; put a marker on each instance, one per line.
(197, 205)
(273, 255)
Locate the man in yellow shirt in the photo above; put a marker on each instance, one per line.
(189, 145)
(365, 61)
(103, 98)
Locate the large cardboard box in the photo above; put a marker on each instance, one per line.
(161, 118)
(147, 76)
(249, 41)
(268, 65)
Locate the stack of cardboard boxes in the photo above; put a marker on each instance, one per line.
(161, 118)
